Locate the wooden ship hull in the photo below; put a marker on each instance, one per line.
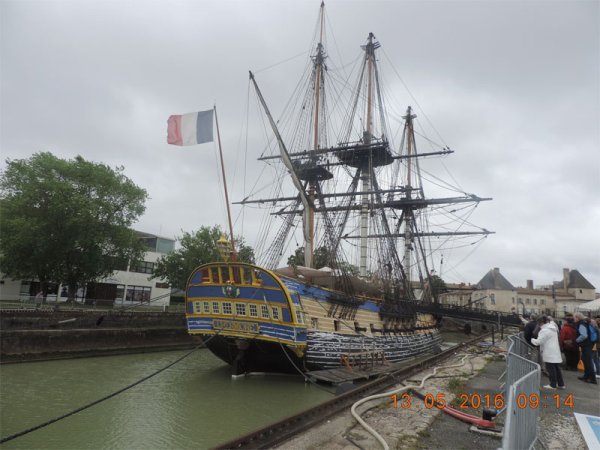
(260, 321)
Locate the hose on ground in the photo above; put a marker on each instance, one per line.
(366, 426)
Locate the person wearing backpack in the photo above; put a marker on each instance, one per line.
(585, 343)
(595, 338)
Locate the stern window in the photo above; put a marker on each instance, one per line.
(275, 311)
(247, 276)
(264, 310)
(240, 309)
(197, 309)
(253, 310)
(206, 306)
(226, 308)
(215, 308)
(204, 276)
(214, 275)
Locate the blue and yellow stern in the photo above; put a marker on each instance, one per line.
(247, 317)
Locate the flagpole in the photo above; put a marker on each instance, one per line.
(233, 253)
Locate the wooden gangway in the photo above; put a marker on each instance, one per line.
(355, 366)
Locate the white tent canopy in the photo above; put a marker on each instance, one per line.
(594, 305)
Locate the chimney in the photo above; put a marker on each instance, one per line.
(496, 271)
(566, 279)
(530, 285)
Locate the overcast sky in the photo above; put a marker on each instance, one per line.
(511, 86)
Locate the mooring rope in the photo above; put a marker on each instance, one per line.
(114, 394)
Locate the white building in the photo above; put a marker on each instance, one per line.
(129, 286)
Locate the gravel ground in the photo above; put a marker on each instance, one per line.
(405, 427)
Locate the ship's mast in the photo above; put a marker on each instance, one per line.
(366, 170)
(408, 213)
(231, 239)
(318, 72)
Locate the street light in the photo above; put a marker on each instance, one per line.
(223, 247)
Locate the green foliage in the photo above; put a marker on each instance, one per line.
(197, 248)
(438, 286)
(321, 259)
(67, 221)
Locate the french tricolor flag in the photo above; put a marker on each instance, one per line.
(190, 129)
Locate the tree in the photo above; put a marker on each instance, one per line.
(321, 259)
(438, 286)
(67, 221)
(197, 248)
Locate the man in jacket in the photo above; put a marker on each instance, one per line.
(547, 340)
(583, 340)
(530, 328)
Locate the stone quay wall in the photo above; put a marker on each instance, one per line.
(41, 335)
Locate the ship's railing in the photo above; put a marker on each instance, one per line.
(468, 313)
(522, 382)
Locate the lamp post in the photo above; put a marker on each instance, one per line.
(224, 248)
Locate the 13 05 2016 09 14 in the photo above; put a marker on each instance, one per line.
(475, 401)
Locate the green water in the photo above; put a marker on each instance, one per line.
(192, 405)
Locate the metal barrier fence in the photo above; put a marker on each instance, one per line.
(522, 381)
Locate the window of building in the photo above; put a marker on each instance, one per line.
(138, 294)
(493, 299)
(314, 323)
(253, 310)
(542, 301)
(240, 309)
(206, 307)
(165, 245)
(535, 301)
(119, 293)
(527, 301)
(513, 300)
(215, 308)
(336, 325)
(264, 311)
(227, 308)
(142, 267)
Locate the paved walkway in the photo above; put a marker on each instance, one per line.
(557, 429)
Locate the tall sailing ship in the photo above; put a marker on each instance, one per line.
(364, 196)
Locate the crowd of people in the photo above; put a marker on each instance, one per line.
(578, 339)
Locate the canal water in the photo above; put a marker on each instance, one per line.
(194, 404)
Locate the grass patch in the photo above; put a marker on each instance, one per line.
(457, 385)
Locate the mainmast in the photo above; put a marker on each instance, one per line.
(318, 79)
(408, 212)
(366, 170)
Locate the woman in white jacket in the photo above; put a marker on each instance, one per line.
(547, 340)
